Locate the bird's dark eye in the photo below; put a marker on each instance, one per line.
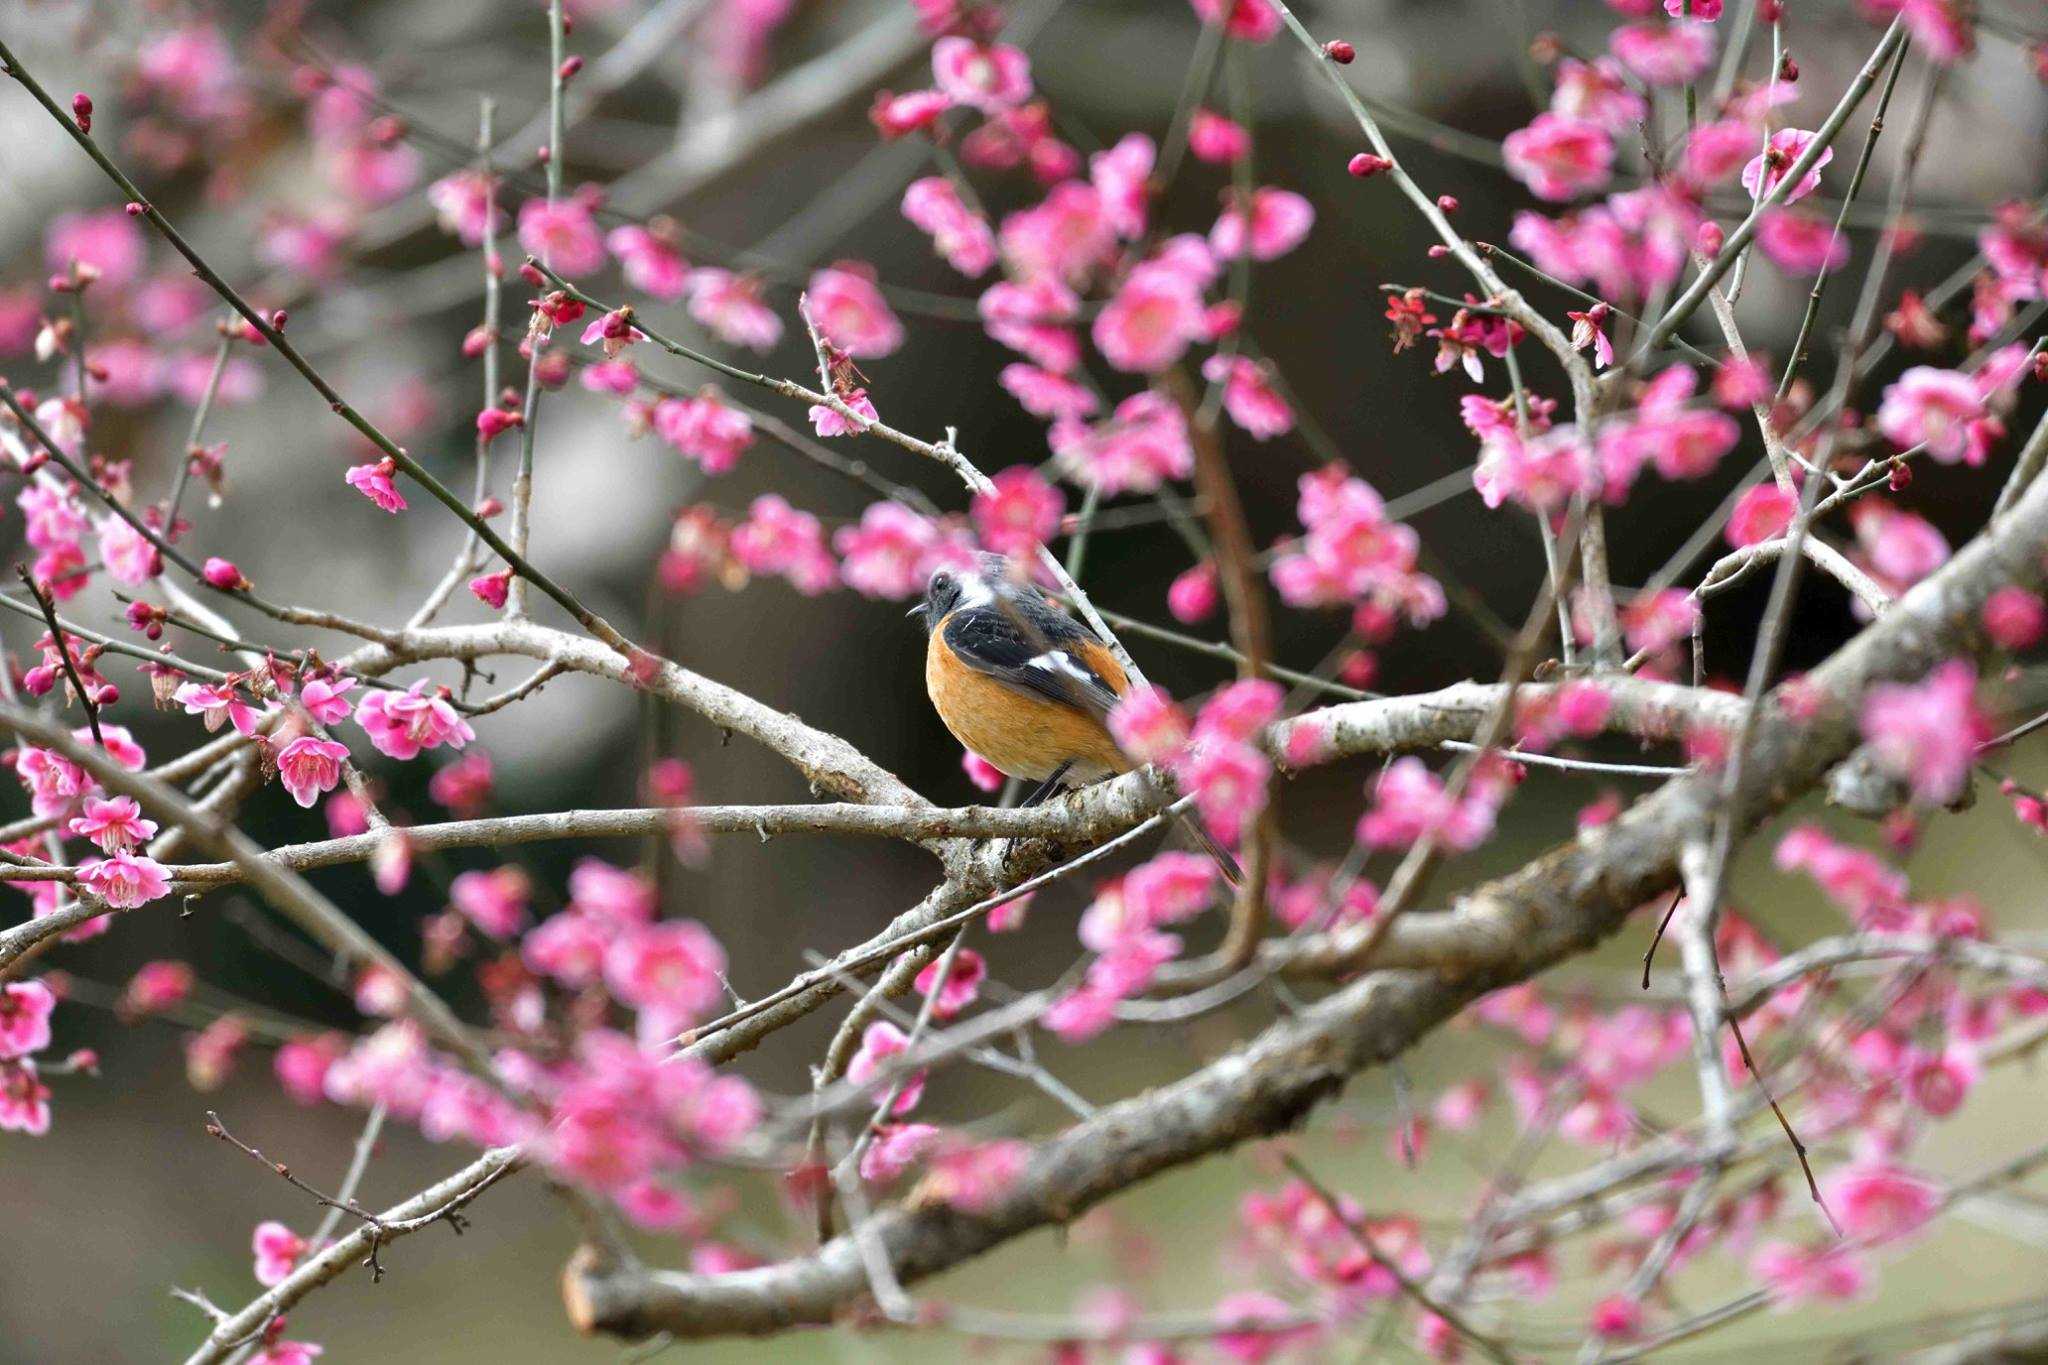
(942, 583)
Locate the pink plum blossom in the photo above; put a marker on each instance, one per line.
(730, 306)
(1926, 734)
(309, 767)
(1560, 157)
(850, 311)
(113, 823)
(277, 1249)
(403, 724)
(880, 1042)
(125, 880)
(1017, 512)
(1936, 408)
(1270, 225)
(25, 1008)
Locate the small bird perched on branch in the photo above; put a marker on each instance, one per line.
(1020, 682)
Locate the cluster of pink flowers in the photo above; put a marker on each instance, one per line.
(1125, 928)
(1352, 554)
(25, 1009)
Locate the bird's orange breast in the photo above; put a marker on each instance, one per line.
(1027, 737)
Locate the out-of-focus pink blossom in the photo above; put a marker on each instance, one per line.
(1761, 514)
(1560, 157)
(729, 305)
(1269, 225)
(1926, 734)
(1936, 408)
(1018, 512)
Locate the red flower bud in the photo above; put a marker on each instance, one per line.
(222, 573)
(1366, 165)
(1788, 70)
(570, 67)
(278, 319)
(1447, 202)
(134, 209)
(1340, 52)
(81, 109)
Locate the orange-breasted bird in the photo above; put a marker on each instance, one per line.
(1020, 682)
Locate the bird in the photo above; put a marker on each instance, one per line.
(1023, 684)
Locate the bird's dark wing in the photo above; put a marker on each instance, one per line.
(1037, 651)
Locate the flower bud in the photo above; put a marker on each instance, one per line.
(1366, 165)
(222, 573)
(1340, 52)
(81, 110)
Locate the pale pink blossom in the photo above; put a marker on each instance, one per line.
(1876, 1201)
(1271, 225)
(1249, 396)
(1148, 725)
(1761, 514)
(1786, 146)
(879, 1043)
(1216, 139)
(1066, 235)
(25, 1008)
(1122, 176)
(402, 724)
(113, 823)
(986, 77)
(309, 767)
(1560, 157)
(495, 901)
(858, 416)
(464, 203)
(850, 311)
(963, 982)
(562, 234)
(156, 987)
(1044, 393)
(1542, 474)
(277, 1249)
(1796, 1275)
(1194, 594)
(1597, 92)
(219, 704)
(1411, 803)
(649, 261)
(1935, 408)
(24, 1100)
(107, 242)
(729, 306)
(705, 429)
(672, 967)
(125, 880)
(373, 481)
(893, 551)
(778, 539)
(1801, 244)
(974, 1177)
(324, 698)
(2014, 618)
(1142, 445)
(959, 234)
(1154, 316)
(896, 1148)
(569, 946)
(1664, 54)
(1926, 734)
(1254, 1326)
(128, 555)
(1017, 512)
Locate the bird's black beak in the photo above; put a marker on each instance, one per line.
(916, 610)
